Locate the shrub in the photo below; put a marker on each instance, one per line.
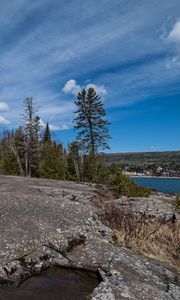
(177, 203)
(139, 191)
(122, 185)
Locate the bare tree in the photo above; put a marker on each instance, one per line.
(31, 128)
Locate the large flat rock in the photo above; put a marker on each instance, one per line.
(48, 222)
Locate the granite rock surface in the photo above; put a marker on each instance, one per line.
(54, 223)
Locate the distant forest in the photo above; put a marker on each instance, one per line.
(137, 161)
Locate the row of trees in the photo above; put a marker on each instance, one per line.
(27, 152)
(24, 153)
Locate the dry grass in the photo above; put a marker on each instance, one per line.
(146, 235)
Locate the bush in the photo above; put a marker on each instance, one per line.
(122, 185)
(139, 191)
(92, 169)
(177, 203)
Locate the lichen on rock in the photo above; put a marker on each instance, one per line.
(47, 223)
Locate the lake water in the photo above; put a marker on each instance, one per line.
(165, 185)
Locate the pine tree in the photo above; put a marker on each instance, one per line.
(90, 123)
(53, 158)
(52, 164)
(47, 135)
(8, 159)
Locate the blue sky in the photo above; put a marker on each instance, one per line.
(128, 50)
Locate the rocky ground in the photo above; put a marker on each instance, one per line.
(51, 223)
(158, 205)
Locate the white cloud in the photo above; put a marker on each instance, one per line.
(71, 87)
(154, 148)
(174, 38)
(100, 89)
(173, 61)
(42, 124)
(3, 106)
(57, 49)
(54, 127)
(174, 35)
(4, 121)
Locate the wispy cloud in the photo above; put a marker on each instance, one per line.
(4, 121)
(154, 148)
(112, 46)
(53, 127)
(4, 106)
(56, 128)
(174, 34)
(174, 38)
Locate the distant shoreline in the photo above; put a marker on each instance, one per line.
(160, 177)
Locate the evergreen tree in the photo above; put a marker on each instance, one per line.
(90, 123)
(47, 134)
(53, 158)
(93, 169)
(8, 161)
(53, 162)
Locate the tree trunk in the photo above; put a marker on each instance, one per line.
(14, 150)
(26, 164)
(76, 167)
(92, 138)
